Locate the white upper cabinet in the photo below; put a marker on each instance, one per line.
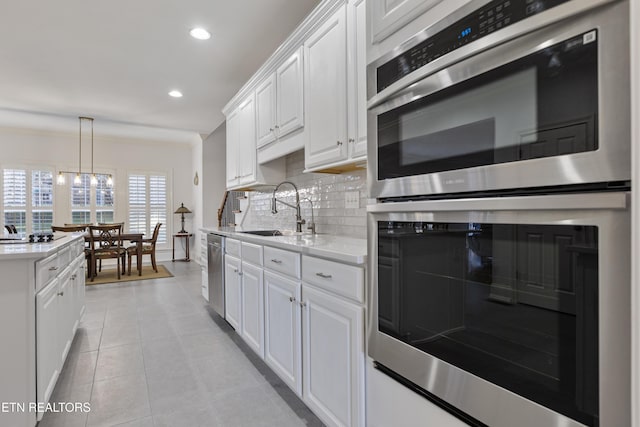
(290, 95)
(280, 101)
(247, 143)
(266, 111)
(335, 91)
(233, 139)
(242, 168)
(325, 67)
(357, 17)
(388, 16)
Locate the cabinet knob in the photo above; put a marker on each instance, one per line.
(53, 268)
(339, 142)
(276, 261)
(277, 127)
(239, 273)
(351, 140)
(73, 277)
(303, 304)
(270, 129)
(235, 270)
(60, 294)
(324, 276)
(292, 299)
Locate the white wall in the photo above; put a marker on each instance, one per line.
(111, 155)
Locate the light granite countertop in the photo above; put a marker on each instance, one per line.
(348, 250)
(26, 250)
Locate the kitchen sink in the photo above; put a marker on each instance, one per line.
(264, 232)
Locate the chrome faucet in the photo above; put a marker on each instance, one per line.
(312, 225)
(274, 203)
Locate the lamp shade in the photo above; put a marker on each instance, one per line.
(182, 209)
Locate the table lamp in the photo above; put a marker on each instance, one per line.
(182, 210)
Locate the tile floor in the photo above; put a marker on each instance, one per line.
(150, 353)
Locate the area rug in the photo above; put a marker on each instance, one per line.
(111, 276)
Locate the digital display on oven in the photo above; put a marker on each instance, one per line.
(492, 17)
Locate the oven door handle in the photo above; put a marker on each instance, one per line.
(613, 200)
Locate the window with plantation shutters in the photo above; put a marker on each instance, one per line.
(148, 204)
(14, 192)
(91, 204)
(41, 201)
(27, 199)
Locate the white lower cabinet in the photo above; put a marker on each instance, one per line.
(252, 296)
(283, 338)
(305, 317)
(59, 307)
(48, 345)
(333, 365)
(233, 292)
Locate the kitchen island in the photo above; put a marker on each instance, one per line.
(41, 302)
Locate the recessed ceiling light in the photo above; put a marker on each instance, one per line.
(200, 34)
(175, 94)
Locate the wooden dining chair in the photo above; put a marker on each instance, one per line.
(148, 248)
(122, 231)
(105, 243)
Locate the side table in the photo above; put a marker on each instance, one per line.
(185, 236)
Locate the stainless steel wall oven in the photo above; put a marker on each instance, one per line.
(511, 310)
(499, 147)
(469, 106)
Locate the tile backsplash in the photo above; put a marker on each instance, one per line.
(327, 193)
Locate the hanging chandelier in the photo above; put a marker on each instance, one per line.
(78, 175)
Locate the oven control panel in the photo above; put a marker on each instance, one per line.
(492, 17)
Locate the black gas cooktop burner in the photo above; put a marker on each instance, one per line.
(40, 237)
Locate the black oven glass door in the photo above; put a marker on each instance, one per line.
(516, 305)
(541, 105)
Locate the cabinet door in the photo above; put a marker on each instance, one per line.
(357, 45)
(325, 66)
(290, 98)
(81, 277)
(204, 284)
(333, 351)
(66, 313)
(282, 338)
(266, 111)
(253, 308)
(233, 127)
(232, 292)
(388, 16)
(49, 351)
(247, 146)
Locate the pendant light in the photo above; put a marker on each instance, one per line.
(78, 175)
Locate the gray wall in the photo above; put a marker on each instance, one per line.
(214, 155)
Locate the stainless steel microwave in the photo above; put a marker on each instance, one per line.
(506, 311)
(504, 95)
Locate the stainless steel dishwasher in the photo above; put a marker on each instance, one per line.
(215, 263)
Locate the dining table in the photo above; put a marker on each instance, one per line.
(136, 238)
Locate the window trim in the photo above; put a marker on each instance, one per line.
(28, 208)
(169, 202)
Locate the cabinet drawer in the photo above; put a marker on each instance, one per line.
(65, 256)
(282, 261)
(46, 269)
(252, 253)
(345, 280)
(232, 247)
